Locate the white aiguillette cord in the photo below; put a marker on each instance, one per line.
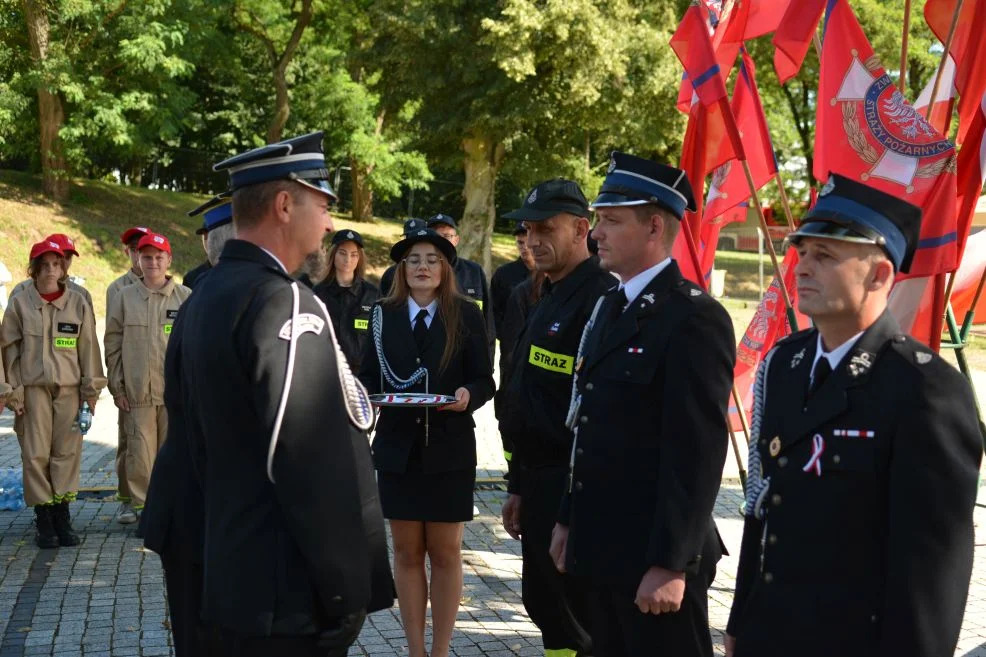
(386, 372)
(355, 396)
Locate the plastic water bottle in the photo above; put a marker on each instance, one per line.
(11, 489)
(85, 418)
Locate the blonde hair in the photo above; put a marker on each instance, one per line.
(449, 298)
(360, 272)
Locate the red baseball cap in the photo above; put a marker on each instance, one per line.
(64, 241)
(131, 233)
(157, 241)
(46, 246)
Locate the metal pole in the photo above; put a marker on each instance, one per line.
(760, 260)
(902, 78)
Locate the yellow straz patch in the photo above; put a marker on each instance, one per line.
(66, 343)
(361, 324)
(167, 329)
(550, 361)
(479, 302)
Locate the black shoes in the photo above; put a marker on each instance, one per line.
(45, 536)
(63, 525)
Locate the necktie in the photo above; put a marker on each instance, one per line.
(420, 328)
(822, 371)
(619, 302)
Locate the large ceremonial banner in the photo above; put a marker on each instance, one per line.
(866, 130)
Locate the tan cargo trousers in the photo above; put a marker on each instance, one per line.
(51, 448)
(146, 428)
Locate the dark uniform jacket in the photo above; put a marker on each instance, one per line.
(504, 280)
(871, 557)
(192, 277)
(173, 519)
(472, 283)
(539, 391)
(291, 556)
(652, 435)
(349, 308)
(451, 438)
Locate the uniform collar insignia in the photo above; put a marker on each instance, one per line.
(798, 357)
(695, 293)
(861, 363)
(649, 297)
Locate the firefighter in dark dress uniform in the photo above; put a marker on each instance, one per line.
(654, 376)
(510, 275)
(348, 295)
(216, 213)
(864, 459)
(536, 403)
(295, 547)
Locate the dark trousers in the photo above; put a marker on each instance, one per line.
(231, 644)
(183, 580)
(619, 629)
(558, 604)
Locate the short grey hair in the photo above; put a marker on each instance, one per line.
(216, 239)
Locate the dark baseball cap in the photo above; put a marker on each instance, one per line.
(549, 198)
(440, 218)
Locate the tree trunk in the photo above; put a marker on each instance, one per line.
(484, 155)
(362, 192)
(51, 112)
(282, 107)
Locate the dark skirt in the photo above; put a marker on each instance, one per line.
(434, 497)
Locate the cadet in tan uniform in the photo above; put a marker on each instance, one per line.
(138, 326)
(53, 364)
(125, 514)
(67, 245)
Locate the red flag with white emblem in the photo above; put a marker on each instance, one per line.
(867, 131)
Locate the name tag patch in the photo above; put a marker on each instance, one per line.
(67, 327)
(172, 314)
(66, 343)
(550, 361)
(361, 324)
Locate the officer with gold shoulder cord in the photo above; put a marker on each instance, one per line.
(653, 381)
(864, 458)
(535, 403)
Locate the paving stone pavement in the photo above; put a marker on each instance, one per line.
(106, 597)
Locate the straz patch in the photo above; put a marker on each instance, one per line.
(167, 329)
(479, 302)
(361, 324)
(172, 314)
(66, 343)
(548, 360)
(67, 327)
(307, 323)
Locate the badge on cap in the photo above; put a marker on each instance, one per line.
(612, 165)
(422, 233)
(828, 188)
(349, 234)
(533, 197)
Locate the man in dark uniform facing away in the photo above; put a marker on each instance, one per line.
(295, 549)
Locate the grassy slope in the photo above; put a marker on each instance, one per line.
(97, 213)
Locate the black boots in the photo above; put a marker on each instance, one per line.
(45, 536)
(63, 525)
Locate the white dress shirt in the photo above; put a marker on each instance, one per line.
(633, 287)
(835, 356)
(413, 310)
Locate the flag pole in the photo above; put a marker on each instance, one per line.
(784, 202)
(940, 298)
(902, 78)
(741, 412)
(734, 135)
(944, 59)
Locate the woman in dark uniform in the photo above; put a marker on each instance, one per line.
(348, 295)
(431, 335)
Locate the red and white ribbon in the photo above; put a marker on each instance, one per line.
(815, 462)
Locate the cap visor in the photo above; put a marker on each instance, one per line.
(828, 230)
(611, 200)
(319, 186)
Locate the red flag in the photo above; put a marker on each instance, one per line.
(941, 110)
(793, 36)
(769, 324)
(866, 130)
(971, 173)
(693, 46)
(764, 17)
(729, 186)
(727, 34)
(968, 50)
